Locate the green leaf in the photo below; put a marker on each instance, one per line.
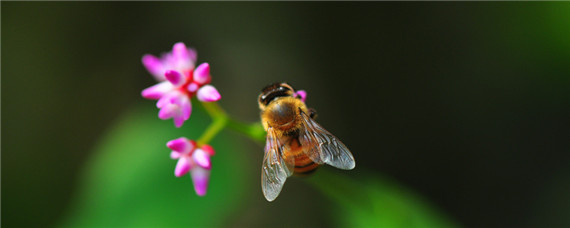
(130, 182)
(376, 201)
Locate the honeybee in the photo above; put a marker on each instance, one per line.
(295, 143)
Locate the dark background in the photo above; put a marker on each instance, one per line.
(466, 103)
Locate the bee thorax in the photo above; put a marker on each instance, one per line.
(282, 114)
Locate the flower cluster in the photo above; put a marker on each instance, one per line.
(194, 160)
(179, 81)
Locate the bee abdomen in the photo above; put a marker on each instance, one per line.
(304, 165)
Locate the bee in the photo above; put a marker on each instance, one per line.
(295, 143)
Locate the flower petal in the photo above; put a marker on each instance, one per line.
(168, 111)
(172, 97)
(208, 93)
(193, 54)
(154, 66)
(182, 167)
(175, 154)
(182, 57)
(182, 145)
(178, 120)
(202, 74)
(155, 92)
(192, 87)
(175, 77)
(202, 159)
(208, 149)
(200, 178)
(179, 50)
(302, 94)
(168, 61)
(174, 105)
(186, 107)
(165, 99)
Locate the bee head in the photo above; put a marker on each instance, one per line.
(270, 92)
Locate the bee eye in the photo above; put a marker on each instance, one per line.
(284, 89)
(279, 91)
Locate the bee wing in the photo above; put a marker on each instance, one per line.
(324, 147)
(275, 169)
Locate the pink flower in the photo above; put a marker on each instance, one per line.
(302, 94)
(194, 160)
(179, 59)
(179, 81)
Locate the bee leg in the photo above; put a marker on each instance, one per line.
(312, 113)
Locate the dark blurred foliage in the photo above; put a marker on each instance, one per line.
(466, 103)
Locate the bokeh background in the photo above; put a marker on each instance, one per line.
(467, 105)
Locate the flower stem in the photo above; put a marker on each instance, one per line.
(220, 120)
(215, 127)
(254, 131)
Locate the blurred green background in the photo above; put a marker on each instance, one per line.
(462, 106)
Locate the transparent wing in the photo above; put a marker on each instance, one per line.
(325, 148)
(275, 169)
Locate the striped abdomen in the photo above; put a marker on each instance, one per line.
(303, 164)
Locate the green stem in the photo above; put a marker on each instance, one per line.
(220, 120)
(255, 130)
(214, 109)
(215, 127)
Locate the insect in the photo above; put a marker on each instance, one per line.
(295, 143)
